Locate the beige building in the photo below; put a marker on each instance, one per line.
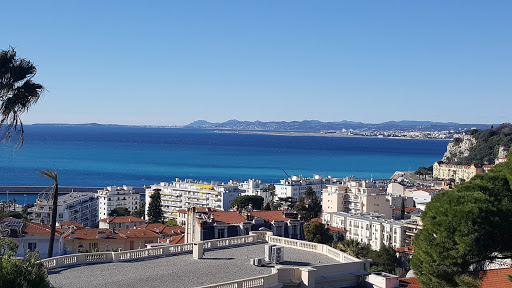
(371, 229)
(442, 170)
(356, 197)
(101, 240)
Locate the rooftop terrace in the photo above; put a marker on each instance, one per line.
(217, 266)
(225, 260)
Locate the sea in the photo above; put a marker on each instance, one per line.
(100, 156)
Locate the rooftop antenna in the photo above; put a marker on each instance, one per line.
(286, 173)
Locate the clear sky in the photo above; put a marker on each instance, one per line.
(173, 62)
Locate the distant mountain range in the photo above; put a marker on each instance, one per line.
(315, 125)
(309, 125)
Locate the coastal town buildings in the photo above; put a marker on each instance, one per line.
(121, 222)
(112, 197)
(372, 229)
(187, 193)
(295, 186)
(81, 207)
(356, 197)
(102, 240)
(446, 171)
(206, 224)
(255, 187)
(30, 236)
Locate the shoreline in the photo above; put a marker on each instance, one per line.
(317, 134)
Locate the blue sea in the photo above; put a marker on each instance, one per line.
(136, 156)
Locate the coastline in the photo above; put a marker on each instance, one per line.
(317, 134)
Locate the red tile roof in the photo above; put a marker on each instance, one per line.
(410, 209)
(336, 230)
(407, 249)
(71, 223)
(163, 229)
(93, 234)
(122, 219)
(177, 240)
(269, 216)
(410, 282)
(319, 220)
(496, 278)
(37, 229)
(228, 217)
(137, 233)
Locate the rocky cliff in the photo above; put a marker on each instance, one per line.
(458, 149)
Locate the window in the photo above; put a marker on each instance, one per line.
(32, 246)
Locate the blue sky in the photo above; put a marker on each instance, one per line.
(173, 62)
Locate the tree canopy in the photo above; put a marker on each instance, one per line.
(155, 213)
(245, 200)
(464, 228)
(309, 206)
(17, 92)
(317, 232)
(140, 211)
(26, 272)
(120, 211)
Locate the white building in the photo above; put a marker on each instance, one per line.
(31, 236)
(188, 193)
(81, 207)
(369, 228)
(356, 197)
(296, 185)
(255, 187)
(112, 197)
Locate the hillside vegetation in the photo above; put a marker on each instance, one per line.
(483, 147)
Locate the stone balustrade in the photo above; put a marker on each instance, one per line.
(265, 281)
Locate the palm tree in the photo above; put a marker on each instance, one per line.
(17, 92)
(55, 189)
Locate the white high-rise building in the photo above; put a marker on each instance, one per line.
(112, 197)
(188, 193)
(296, 185)
(81, 207)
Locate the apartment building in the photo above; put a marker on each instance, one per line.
(356, 197)
(255, 187)
(121, 222)
(187, 193)
(31, 237)
(371, 229)
(446, 171)
(81, 207)
(112, 197)
(296, 185)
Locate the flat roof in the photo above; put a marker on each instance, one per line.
(217, 266)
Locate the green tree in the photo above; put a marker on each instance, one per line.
(309, 206)
(171, 222)
(464, 228)
(26, 272)
(355, 248)
(317, 232)
(245, 200)
(120, 211)
(384, 260)
(17, 92)
(55, 191)
(140, 211)
(155, 213)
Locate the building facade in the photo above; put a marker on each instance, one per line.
(371, 229)
(31, 237)
(112, 197)
(81, 207)
(356, 197)
(188, 193)
(296, 185)
(446, 171)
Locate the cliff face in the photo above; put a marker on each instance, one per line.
(458, 149)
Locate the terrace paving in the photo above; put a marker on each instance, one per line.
(217, 266)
